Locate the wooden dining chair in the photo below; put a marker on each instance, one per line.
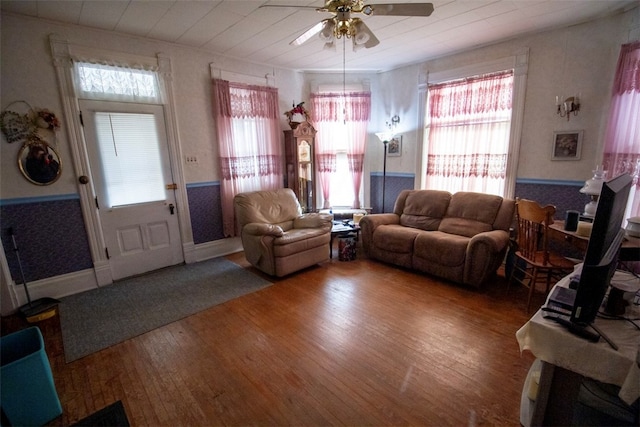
(534, 261)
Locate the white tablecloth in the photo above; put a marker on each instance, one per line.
(551, 342)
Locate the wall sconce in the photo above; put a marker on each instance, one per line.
(592, 188)
(570, 105)
(393, 123)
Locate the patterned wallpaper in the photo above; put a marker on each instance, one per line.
(395, 183)
(206, 212)
(564, 195)
(49, 234)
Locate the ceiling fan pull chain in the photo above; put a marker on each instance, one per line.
(344, 79)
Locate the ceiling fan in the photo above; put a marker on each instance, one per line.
(342, 24)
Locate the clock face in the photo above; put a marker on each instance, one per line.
(304, 151)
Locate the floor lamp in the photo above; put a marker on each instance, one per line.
(385, 137)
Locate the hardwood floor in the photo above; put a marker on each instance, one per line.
(341, 343)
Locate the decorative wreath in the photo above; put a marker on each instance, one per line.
(297, 109)
(24, 127)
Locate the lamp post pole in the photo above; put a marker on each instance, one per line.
(384, 175)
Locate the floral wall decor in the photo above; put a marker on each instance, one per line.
(35, 128)
(297, 115)
(25, 126)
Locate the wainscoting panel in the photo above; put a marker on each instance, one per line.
(395, 183)
(564, 195)
(50, 236)
(206, 212)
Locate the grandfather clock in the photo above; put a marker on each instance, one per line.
(300, 172)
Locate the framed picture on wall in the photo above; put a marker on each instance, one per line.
(394, 149)
(567, 145)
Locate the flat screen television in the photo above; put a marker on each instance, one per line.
(601, 258)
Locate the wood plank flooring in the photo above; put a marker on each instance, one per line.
(341, 343)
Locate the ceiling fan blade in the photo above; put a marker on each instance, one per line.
(302, 38)
(288, 5)
(402, 9)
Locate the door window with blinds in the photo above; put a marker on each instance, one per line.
(130, 157)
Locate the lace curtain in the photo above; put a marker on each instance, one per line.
(116, 83)
(341, 121)
(468, 133)
(249, 146)
(622, 138)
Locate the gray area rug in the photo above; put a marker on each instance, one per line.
(99, 318)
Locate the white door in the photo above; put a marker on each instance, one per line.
(132, 180)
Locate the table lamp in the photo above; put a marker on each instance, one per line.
(592, 188)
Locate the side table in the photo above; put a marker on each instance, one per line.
(341, 229)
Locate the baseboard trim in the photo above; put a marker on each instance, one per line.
(216, 248)
(55, 287)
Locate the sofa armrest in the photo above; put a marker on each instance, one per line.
(313, 220)
(485, 253)
(261, 229)
(369, 223)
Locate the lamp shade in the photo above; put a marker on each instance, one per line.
(326, 34)
(385, 136)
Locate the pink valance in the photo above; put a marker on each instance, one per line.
(628, 77)
(338, 107)
(240, 100)
(473, 95)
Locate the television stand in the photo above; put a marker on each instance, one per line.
(560, 354)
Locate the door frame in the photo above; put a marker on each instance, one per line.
(62, 53)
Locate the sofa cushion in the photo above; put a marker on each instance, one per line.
(470, 213)
(441, 248)
(394, 238)
(424, 209)
(299, 240)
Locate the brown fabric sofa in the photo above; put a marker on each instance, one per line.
(461, 237)
(277, 238)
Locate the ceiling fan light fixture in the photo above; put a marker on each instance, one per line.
(330, 45)
(342, 24)
(362, 33)
(343, 28)
(361, 38)
(326, 34)
(364, 37)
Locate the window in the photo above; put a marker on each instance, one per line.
(129, 150)
(249, 146)
(622, 139)
(468, 132)
(341, 194)
(341, 119)
(108, 82)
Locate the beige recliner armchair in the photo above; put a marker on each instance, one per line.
(277, 238)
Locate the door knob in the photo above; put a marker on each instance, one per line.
(171, 208)
(83, 179)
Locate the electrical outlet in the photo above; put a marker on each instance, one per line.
(191, 160)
